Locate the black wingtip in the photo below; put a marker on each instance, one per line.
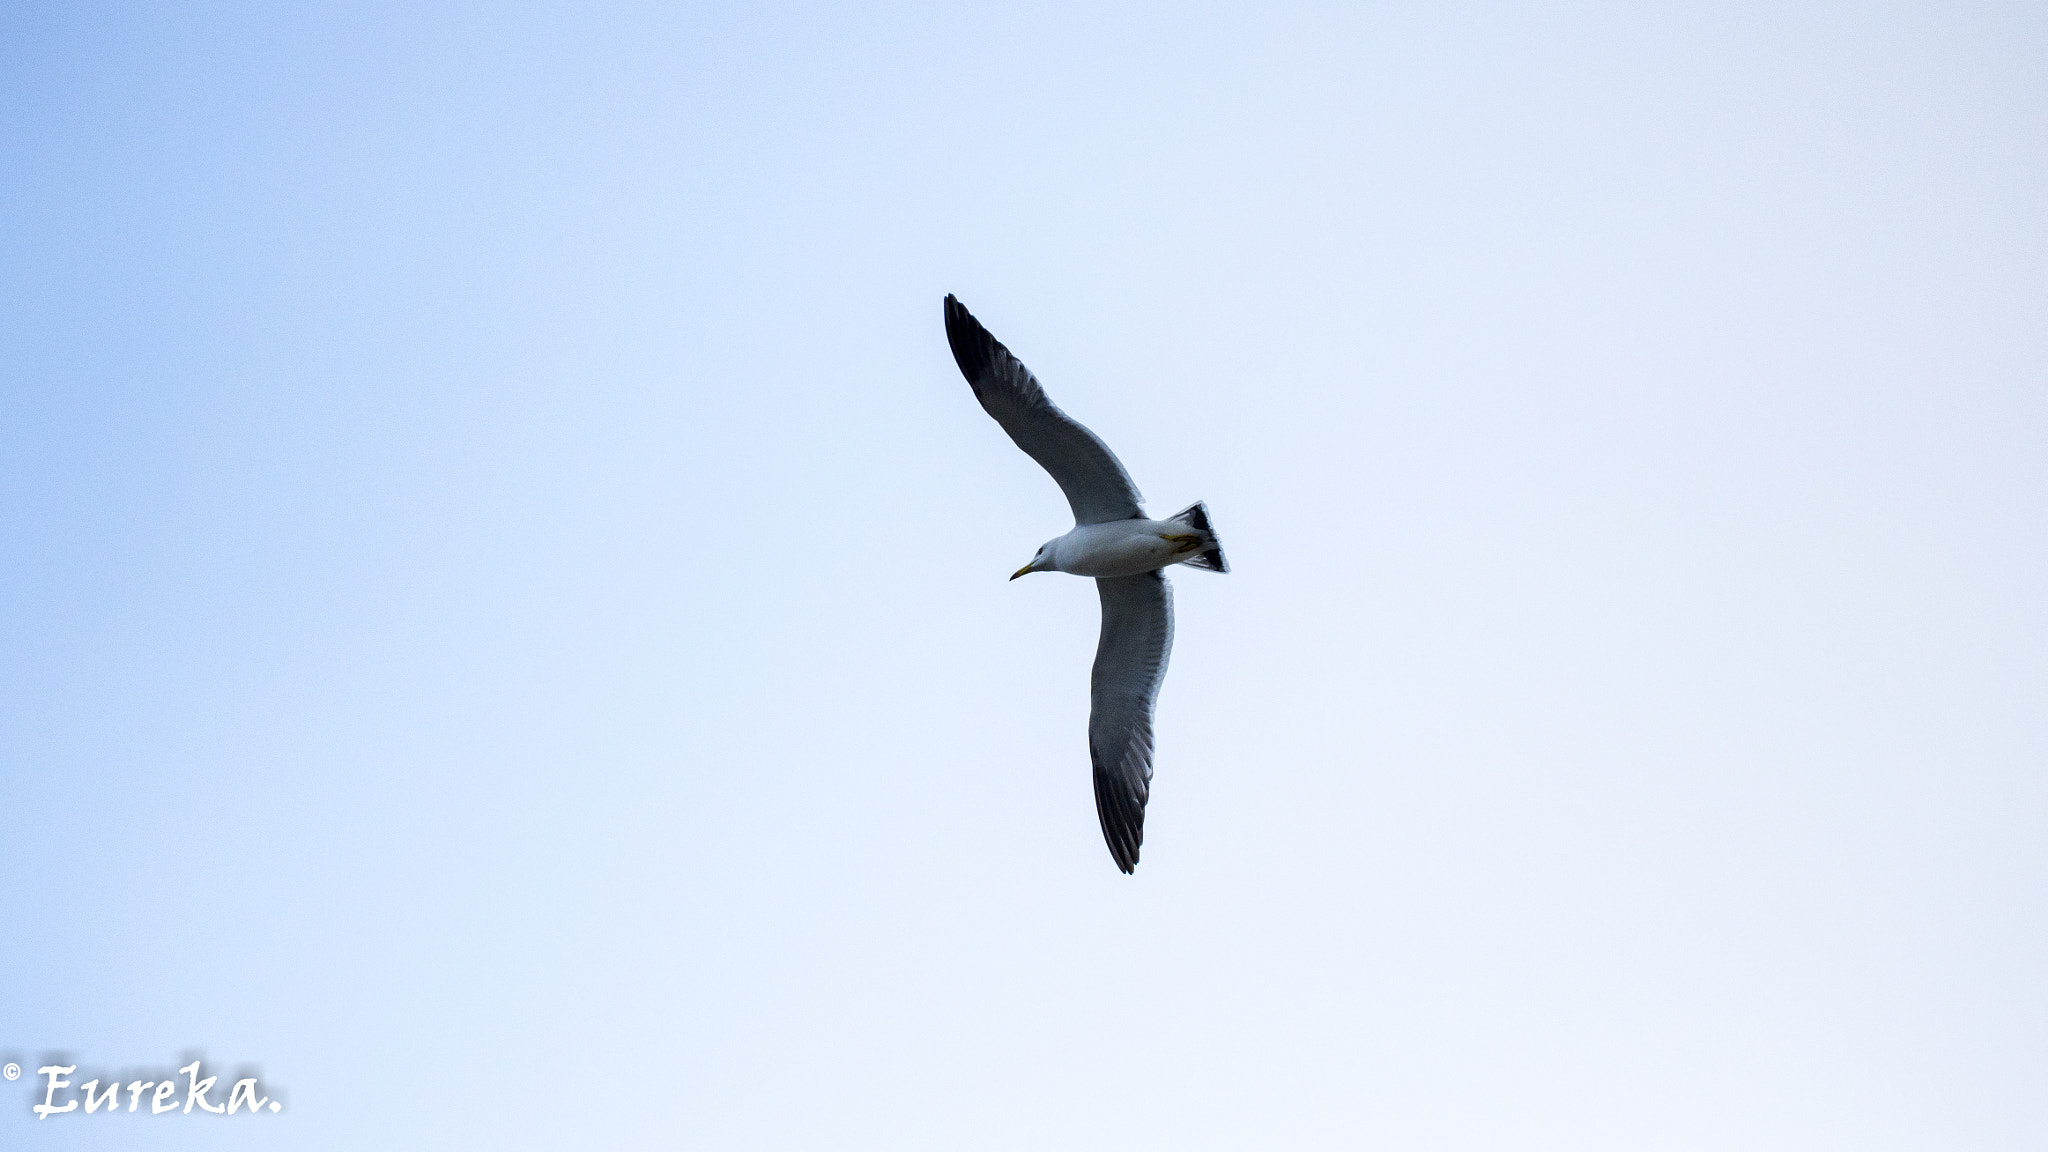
(1123, 820)
(969, 340)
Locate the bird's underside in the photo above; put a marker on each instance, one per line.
(1137, 610)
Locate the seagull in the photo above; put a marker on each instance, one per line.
(1112, 541)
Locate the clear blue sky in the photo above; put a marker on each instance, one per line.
(503, 618)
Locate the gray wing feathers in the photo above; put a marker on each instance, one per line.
(1094, 480)
(1130, 661)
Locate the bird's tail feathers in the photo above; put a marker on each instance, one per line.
(1209, 559)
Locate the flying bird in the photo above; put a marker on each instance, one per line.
(1112, 541)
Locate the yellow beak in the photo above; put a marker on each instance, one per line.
(1020, 571)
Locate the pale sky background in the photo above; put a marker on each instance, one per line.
(503, 619)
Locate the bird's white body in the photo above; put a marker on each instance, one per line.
(1122, 547)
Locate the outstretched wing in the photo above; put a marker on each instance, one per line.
(1087, 471)
(1130, 661)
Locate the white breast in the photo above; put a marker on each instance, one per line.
(1117, 548)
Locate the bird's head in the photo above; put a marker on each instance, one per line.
(1039, 563)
